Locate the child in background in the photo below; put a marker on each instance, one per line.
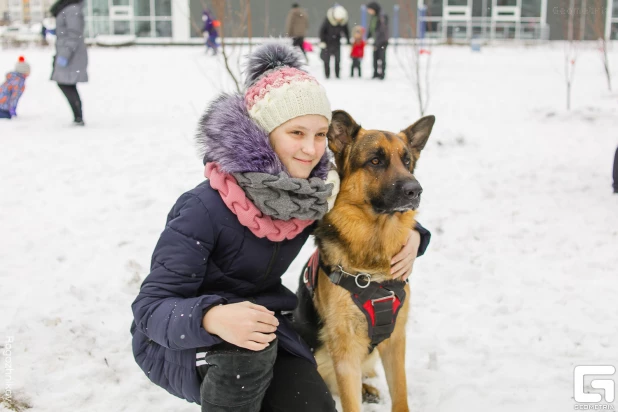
(358, 49)
(12, 89)
(210, 31)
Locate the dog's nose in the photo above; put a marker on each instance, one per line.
(412, 189)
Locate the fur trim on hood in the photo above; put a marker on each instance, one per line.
(330, 15)
(228, 136)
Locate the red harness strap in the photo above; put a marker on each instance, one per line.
(310, 273)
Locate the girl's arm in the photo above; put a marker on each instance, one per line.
(167, 309)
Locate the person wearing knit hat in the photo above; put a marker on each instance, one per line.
(335, 27)
(208, 324)
(12, 89)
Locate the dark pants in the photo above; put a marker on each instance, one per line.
(379, 61)
(240, 380)
(70, 92)
(616, 172)
(4, 114)
(356, 64)
(299, 42)
(211, 43)
(326, 55)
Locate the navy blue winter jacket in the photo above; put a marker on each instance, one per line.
(205, 257)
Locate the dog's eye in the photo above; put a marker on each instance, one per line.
(375, 161)
(406, 161)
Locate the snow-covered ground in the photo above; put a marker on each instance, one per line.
(518, 286)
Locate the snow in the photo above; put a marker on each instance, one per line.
(517, 287)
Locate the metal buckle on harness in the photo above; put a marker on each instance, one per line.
(305, 277)
(382, 299)
(364, 275)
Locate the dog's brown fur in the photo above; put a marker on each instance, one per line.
(360, 238)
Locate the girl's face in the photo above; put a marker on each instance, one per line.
(300, 143)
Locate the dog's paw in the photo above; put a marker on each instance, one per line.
(370, 394)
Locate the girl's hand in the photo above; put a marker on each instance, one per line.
(243, 324)
(402, 262)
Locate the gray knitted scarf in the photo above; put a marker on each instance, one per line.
(283, 197)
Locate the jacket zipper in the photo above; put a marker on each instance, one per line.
(272, 261)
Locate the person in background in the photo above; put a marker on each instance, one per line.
(358, 49)
(378, 30)
(70, 63)
(334, 27)
(210, 31)
(12, 89)
(296, 26)
(616, 172)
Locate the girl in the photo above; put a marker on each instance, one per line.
(358, 49)
(208, 321)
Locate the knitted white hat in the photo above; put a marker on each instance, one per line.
(278, 91)
(21, 66)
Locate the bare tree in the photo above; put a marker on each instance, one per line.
(238, 24)
(597, 22)
(571, 47)
(414, 57)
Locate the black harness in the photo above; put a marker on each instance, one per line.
(379, 302)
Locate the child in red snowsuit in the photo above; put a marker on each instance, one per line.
(358, 49)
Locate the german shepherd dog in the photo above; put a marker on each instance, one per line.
(367, 226)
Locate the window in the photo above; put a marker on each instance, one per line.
(477, 8)
(99, 26)
(142, 28)
(163, 8)
(531, 8)
(163, 29)
(122, 27)
(434, 8)
(141, 8)
(100, 8)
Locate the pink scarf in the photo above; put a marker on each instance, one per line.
(248, 214)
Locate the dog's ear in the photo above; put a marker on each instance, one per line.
(419, 132)
(342, 131)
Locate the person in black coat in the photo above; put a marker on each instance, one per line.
(616, 172)
(209, 320)
(334, 27)
(378, 30)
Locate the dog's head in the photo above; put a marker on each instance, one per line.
(377, 167)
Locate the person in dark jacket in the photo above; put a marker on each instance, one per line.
(208, 320)
(70, 63)
(616, 172)
(334, 27)
(210, 31)
(378, 30)
(296, 26)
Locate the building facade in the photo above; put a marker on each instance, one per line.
(28, 11)
(179, 21)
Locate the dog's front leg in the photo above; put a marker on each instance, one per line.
(348, 374)
(393, 354)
